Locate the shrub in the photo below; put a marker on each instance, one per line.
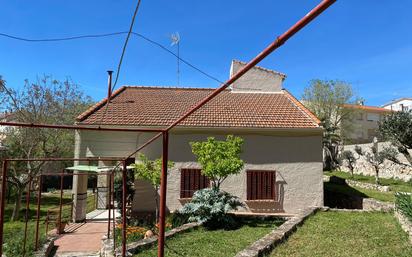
(177, 219)
(210, 207)
(403, 203)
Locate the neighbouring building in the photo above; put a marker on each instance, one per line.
(401, 104)
(282, 140)
(364, 123)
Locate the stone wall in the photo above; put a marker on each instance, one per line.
(405, 224)
(277, 236)
(388, 168)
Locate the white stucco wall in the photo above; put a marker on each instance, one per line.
(296, 157)
(264, 80)
(397, 106)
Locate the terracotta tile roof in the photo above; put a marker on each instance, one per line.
(367, 108)
(160, 106)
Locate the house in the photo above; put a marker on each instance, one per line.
(401, 104)
(282, 140)
(364, 123)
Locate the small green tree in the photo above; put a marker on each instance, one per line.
(151, 171)
(397, 127)
(219, 159)
(327, 100)
(350, 158)
(376, 157)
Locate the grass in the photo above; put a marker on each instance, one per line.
(395, 185)
(347, 234)
(362, 192)
(14, 230)
(217, 243)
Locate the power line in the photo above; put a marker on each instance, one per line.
(63, 38)
(91, 36)
(125, 44)
(119, 66)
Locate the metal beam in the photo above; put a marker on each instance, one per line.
(77, 127)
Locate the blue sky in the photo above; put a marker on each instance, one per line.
(366, 43)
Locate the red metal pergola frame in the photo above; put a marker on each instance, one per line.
(62, 174)
(165, 132)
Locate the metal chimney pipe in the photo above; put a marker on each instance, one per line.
(109, 84)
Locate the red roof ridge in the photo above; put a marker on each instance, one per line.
(302, 107)
(367, 107)
(99, 105)
(168, 87)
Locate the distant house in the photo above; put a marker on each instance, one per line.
(364, 123)
(401, 104)
(4, 117)
(282, 140)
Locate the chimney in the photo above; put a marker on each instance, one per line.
(257, 79)
(109, 84)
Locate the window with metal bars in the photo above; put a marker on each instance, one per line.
(261, 185)
(192, 180)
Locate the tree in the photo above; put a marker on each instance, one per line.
(397, 128)
(350, 158)
(219, 159)
(376, 157)
(44, 101)
(151, 171)
(327, 99)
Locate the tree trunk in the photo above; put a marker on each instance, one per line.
(377, 175)
(17, 204)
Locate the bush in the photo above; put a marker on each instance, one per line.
(403, 203)
(210, 207)
(177, 219)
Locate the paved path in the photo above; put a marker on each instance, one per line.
(83, 239)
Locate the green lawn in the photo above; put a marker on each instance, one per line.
(329, 234)
(357, 191)
(216, 243)
(395, 185)
(14, 231)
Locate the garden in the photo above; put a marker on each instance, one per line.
(14, 230)
(347, 234)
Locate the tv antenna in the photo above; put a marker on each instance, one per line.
(175, 38)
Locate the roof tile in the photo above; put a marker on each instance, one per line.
(160, 106)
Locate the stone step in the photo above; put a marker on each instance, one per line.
(78, 254)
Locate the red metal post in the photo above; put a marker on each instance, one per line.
(3, 192)
(26, 219)
(77, 127)
(61, 203)
(109, 205)
(163, 187)
(124, 224)
(36, 243)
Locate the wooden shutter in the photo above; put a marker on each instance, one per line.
(192, 180)
(261, 185)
